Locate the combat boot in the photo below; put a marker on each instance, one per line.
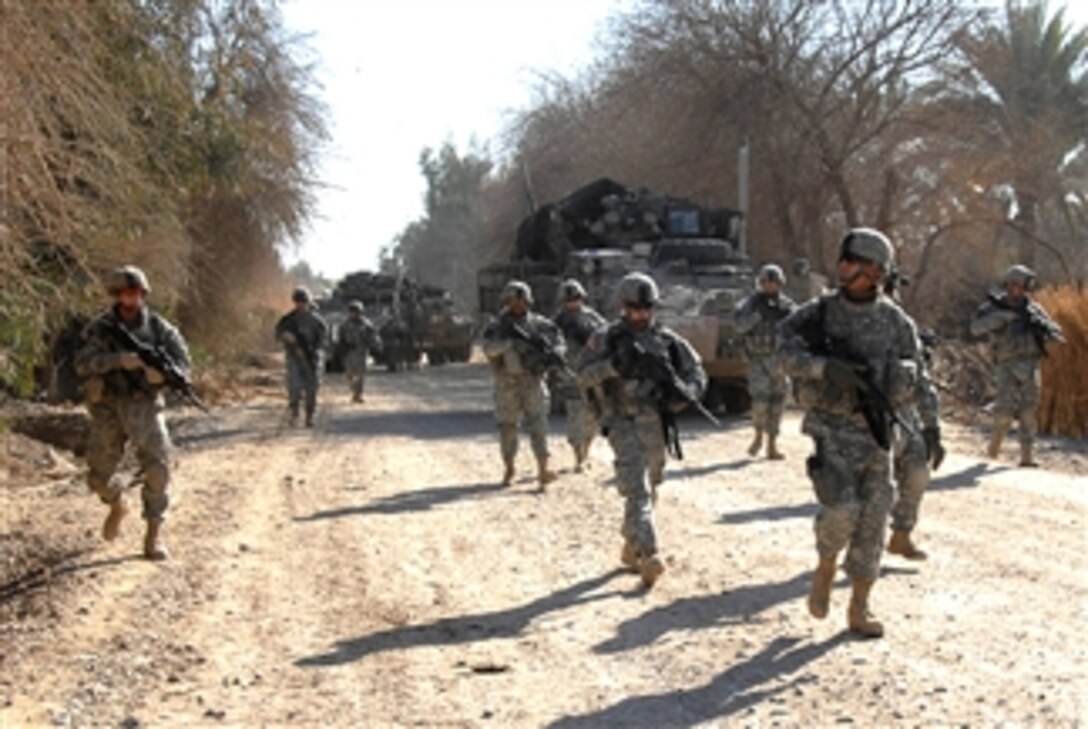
(153, 546)
(309, 420)
(858, 616)
(901, 544)
(757, 443)
(819, 595)
(994, 451)
(292, 418)
(629, 556)
(544, 475)
(1026, 457)
(773, 454)
(579, 458)
(650, 569)
(508, 474)
(112, 526)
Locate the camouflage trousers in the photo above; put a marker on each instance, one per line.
(138, 421)
(911, 469)
(582, 423)
(519, 397)
(851, 476)
(303, 381)
(638, 446)
(355, 370)
(1017, 384)
(767, 385)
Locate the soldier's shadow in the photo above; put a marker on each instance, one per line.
(969, 477)
(699, 471)
(421, 500)
(41, 576)
(464, 629)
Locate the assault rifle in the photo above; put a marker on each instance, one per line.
(158, 358)
(547, 352)
(1041, 326)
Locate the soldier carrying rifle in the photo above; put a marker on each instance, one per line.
(129, 355)
(303, 334)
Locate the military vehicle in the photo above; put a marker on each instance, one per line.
(604, 230)
(413, 320)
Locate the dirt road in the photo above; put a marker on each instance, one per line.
(371, 573)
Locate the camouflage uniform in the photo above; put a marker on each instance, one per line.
(577, 326)
(1016, 354)
(757, 318)
(304, 358)
(124, 407)
(628, 406)
(356, 338)
(520, 389)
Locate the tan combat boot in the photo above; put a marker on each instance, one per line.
(901, 544)
(994, 451)
(153, 546)
(858, 616)
(544, 475)
(1027, 459)
(629, 556)
(819, 595)
(112, 526)
(579, 458)
(757, 443)
(651, 568)
(508, 473)
(773, 454)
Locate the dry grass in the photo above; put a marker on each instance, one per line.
(1063, 409)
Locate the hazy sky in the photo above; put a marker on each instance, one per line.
(399, 75)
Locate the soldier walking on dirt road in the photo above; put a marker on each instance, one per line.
(855, 356)
(1019, 329)
(640, 374)
(125, 402)
(577, 322)
(304, 335)
(356, 338)
(757, 318)
(520, 346)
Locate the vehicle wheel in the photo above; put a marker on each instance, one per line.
(436, 358)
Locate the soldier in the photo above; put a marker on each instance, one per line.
(577, 322)
(757, 318)
(518, 344)
(854, 355)
(914, 453)
(124, 398)
(621, 367)
(303, 334)
(356, 338)
(1019, 329)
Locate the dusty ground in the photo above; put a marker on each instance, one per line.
(371, 573)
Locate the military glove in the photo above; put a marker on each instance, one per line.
(934, 450)
(154, 376)
(129, 361)
(842, 373)
(288, 338)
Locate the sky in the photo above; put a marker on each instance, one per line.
(401, 75)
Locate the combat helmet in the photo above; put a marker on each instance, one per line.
(869, 244)
(1019, 274)
(355, 306)
(301, 295)
(517, 291)
(637, 289)
(571, 290)
(771, 272)
(127, 277)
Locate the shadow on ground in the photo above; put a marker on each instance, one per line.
(466, 629)
(422, 500)
(969, 477)
(730, 692)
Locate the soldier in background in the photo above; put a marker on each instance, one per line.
(577, 322)
(517, 344)
(621, 365)
(124, 399)
(914, 453)
(356, 338)
(303, 334)
(1019, 329)
(845, 350)
(757, 318)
